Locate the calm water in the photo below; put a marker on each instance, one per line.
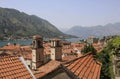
(21, 42)
(28, 42)
(74, 39)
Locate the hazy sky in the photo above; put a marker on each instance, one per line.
(68, 13)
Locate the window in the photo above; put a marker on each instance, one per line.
(39, 43)
(33, 44)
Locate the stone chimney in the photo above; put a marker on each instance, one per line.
(37, 52)
(56, 49)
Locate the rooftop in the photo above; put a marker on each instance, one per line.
(26, 51)
(98, 47)
(11, 47)
(85, 67)
(47, 68)
(11, 67)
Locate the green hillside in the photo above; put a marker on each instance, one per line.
(18, 24)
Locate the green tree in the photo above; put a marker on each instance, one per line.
(89, 48)
(106, 58)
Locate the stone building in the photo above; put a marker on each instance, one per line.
(39, 57)
(92, 39)
(37, 52)
(56, 49)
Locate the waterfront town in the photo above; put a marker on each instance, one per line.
(53, 59)
(59, 39)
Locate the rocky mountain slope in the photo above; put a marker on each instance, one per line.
(106, 30)
(19, 24)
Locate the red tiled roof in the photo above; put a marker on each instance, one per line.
(85, 67)
(11, 47)
(25, 48)
(47, 68)
(67, 49)
(98, 47)
(68, 58)
(26, 51)
(12, 67)
(27, 55)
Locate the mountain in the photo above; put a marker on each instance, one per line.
(19, 24)
(99, 31)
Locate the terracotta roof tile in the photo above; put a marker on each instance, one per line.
(12, 67)
(47, 68)
(11, 47)
(26, 51)
(98, 47)
(85, 67)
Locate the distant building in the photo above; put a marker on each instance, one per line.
(92, 39)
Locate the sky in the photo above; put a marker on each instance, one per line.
(65, 14)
